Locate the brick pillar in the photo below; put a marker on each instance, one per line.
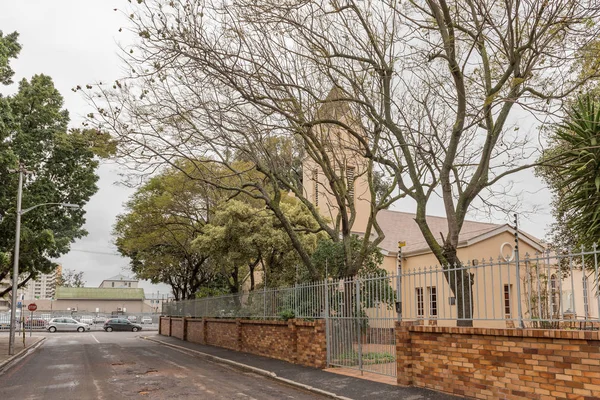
(170, 326)
(293, 335)
(238, 324)
(320, 338)
(160, 325)
(204, 331)
(184, 322)
(404, 358)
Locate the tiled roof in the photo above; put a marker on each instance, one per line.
(401, 226)
(83, 293)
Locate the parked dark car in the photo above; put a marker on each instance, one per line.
(121, 324)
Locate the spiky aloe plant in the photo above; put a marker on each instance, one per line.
(578, 170)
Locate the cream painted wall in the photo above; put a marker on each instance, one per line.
(420, 272)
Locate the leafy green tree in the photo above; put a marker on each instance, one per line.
(245, 240)
(330, 260)
(9, 48)
(162, 220)
(62, 164)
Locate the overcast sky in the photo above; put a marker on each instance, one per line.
(75, 42)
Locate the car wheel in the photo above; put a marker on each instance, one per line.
(52, 329)
(134, 329)
(109, 329)
(80, 329)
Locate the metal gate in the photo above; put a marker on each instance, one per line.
(360, 317)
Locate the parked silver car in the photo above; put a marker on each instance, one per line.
(66, 324)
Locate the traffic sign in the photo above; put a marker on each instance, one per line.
(32, 307)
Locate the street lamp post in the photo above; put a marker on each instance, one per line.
(15, 277)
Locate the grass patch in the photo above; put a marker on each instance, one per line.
(367, 358)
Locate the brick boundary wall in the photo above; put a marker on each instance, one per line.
(298, 342)
(177, 327)
(222, 333)
(164, 326)
(500, 363)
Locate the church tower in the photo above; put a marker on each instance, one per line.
(333, 168)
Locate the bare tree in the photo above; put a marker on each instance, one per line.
(427, 91)
(171, 109)
(70, 278)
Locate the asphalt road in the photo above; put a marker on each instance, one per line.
(93, 327)
(120, 365)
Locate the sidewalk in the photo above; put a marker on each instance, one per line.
(5, 359)
(316, 380)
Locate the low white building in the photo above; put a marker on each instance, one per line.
(120, 281)
(156, 300)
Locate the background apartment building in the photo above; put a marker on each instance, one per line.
(44, 287)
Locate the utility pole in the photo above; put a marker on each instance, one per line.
(15, 276)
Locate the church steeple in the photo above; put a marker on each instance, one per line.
(335, 105)
(344, 161)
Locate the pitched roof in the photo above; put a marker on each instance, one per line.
(86, 293)
(334, 106)
(401, 226)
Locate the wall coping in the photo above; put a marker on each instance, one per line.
(255, 321)
(532, 333)
(263, 322)
(306, 323)
(176, 318)
(221, 320)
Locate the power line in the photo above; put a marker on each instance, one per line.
(97, 252)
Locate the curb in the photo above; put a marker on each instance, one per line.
(6, 364)
(259, 371)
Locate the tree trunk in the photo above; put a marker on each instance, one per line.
(20, 285)
(461, 283)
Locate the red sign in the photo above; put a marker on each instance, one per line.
(32, 307)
